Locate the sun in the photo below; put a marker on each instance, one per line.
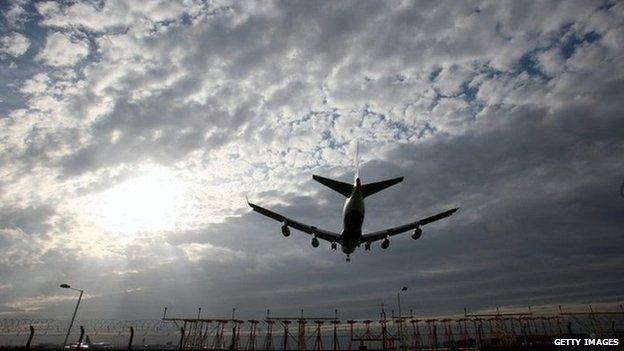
(147, 203)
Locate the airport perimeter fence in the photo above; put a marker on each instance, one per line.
(467, 332)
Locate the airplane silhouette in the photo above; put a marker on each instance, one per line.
(351, 236)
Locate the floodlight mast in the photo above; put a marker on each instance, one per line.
(67, 286)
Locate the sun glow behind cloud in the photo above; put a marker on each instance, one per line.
(150, 202)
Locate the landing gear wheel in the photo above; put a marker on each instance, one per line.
(348, 258)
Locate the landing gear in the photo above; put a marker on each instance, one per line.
(348, 258)
(333, 246)
(367, 247)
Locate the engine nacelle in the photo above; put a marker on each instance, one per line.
(385, 244)
(285, 230)
(315, 242)
(417, 234)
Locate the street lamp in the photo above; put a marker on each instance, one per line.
(67, 286)
(400, 316)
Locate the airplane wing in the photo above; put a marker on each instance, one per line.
(382, 234)
(320, 233)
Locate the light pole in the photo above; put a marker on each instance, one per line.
(401, 317)
(67, 286)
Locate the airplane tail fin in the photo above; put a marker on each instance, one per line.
(357, 159)
(343, 188)
(372, 188)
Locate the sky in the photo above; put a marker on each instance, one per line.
(131, 133)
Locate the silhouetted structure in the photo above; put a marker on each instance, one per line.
(471, 330)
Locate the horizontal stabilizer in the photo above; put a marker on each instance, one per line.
(370, 189)
(343, 188)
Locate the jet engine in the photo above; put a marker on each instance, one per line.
(385, 243)
(417, 234)
(285, 230)
(315, 242)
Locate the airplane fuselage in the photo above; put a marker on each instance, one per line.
(352, 219)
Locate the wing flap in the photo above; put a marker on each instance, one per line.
(382, 234)
(320, 233)
(438, 216)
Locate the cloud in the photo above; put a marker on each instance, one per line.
(14, 44)
(509, 111)
(113, 15)
(30, 220)
(62, 50)
(15, 14)
(33, 304)
(195, 252)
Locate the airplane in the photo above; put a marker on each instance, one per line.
(351, 236)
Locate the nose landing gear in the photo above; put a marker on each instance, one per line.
(348, 258)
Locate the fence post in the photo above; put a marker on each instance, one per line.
(81, 336)
(181, 337)
(30, 337)
(131, 337)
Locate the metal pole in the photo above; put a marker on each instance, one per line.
(131, 337)
(73, 317)
(400, 321)
(30, 337)
(82, 331)
(181, 338)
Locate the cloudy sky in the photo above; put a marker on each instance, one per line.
(131, 132)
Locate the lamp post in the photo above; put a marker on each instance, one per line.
(67, 286)
(401, 317)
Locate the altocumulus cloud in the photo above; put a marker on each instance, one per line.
(131, 133)
(60, 50)
(14, 44)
